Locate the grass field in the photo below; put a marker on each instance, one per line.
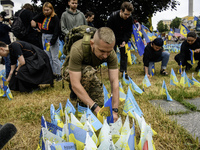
(25, 110)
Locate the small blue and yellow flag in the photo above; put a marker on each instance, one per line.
(69, 107)
(152, 70)
(46, 45)
(164, 91)
(55, 118)
(106, 94)
(9, 94)
(146, 82)
(122, 95)
(173, 78)
(134, 87)
(195, 82)
(59, 111)
(192, 56)
(77, 135)
(180, 68)
(131, 143)
(62, 146)
(184, 82)
(131, 104)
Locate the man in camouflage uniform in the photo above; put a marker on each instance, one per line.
(82, 76)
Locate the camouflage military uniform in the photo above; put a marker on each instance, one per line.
(91, 84)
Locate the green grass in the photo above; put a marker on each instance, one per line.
(25, 110)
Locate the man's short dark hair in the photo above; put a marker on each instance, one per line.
(192, 34)
(89, 14)
(2, 44)
(28, 6)
(158, 42)
(127, 5)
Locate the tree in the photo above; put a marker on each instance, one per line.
(175, 23)
(161, 27)
(102, 8)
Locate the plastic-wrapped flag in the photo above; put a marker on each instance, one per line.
(122, 95)
(173, 78)
(63, 146)
(124, 133)
(146, 82)
(104, 132)
(131, 104)
(77, 135)
(115, 129)
(59, 111)
(69, 107)
(55, 118)
(88, 127)
(75, 121)
(89, 143)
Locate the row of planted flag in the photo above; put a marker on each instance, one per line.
(81, 134)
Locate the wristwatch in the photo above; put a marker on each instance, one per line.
(115, 110)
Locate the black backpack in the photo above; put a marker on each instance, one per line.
(18, 28)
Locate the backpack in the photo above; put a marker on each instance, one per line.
(18, 28)
(81, 32)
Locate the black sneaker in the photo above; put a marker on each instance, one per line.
(58, 78)
(188, 67)
(126, 76)
(163, 72)
(197, 68)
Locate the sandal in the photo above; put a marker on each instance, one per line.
(163, 72)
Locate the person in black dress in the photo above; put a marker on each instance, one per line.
(30, 66)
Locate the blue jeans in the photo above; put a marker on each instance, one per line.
(53, 54)
(164, 58)
(7, 65)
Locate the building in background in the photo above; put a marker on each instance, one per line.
(167, 22)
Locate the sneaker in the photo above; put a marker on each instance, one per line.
(188, 67)
(197, 68)
(163, 72)
(126, 76)
(58, 78)
(73, 96)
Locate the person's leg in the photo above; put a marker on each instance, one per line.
(7, 65)
(165, 58)
(92, 85)
(151, 64)
(183, 59)
(123, 61)
(55, 61)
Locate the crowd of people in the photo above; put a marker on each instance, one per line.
(29, 64)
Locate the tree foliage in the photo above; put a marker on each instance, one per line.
(161, 27)
(102, 8)
(175, 23)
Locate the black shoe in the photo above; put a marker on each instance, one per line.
(197, 68)
(188, 67)
(73, 96)
(126, 76)
(58, 78)
(163, 72)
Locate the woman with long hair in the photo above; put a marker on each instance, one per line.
(50, 32)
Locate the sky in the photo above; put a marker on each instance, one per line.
(182, 10)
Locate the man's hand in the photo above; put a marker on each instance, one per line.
(97, 110)
(115, 116)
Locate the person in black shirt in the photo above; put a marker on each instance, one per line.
(192, 43)
(29, 66)
(121, 23)
(89, 18)
(50, 32)
(32, 35)
(154, 52)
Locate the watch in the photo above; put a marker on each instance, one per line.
(115, 110)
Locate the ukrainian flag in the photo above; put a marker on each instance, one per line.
(196, 83)
(122, 95)
(184, 30)
(173, 78)
(146, 82)
(164, 91)
(184, 82)
(152, 70)
(180, 68)
(192, 56)
(106, 94)
(134, 87)
(46, 45)
(69, 108)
